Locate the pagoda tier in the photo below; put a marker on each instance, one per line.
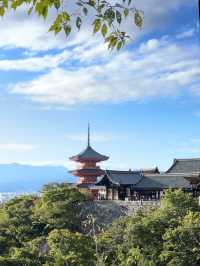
(89, 172)
(89, 155)
(88, 159)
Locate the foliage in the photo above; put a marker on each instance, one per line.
(106, 16)
(47, 231)
(182, 244)
(26, 223)
(59, 208)
(18, 212)
(144, 238)
(33, 252)
(72, 248)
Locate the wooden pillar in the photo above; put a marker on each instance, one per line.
(159, 195)
(115, 194)
(128, 192)
(110, 194)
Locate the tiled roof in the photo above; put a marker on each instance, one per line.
(89, 154)
(185, 166)
(163, 181)
(91, 171)
(123, 177)
(85, 185)
(150, 170)
(145, 182)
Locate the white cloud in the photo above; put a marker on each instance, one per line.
(40, 163)
(186, 34)
(129, 75)
(18, 30)
(35, 63)
(17, 147)
(150, 45)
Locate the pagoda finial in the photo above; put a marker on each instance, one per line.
(88, 134)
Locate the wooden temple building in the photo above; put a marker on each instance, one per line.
(144, 184)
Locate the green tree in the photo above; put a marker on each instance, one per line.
(47, 230)
(25, 222)
(182, 244)
(139, 240)
(105, 16)
(18, 214)
(59, 207)
(72, 249)
(16, 225)
(14, 262)
(34, 252)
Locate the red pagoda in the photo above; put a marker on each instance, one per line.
(88, 170)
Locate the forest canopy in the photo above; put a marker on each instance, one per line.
(50, 230)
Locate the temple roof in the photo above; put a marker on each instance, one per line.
(122, 177)
(150, 170)
(142, 181)
(89, 154)
(185, 166)
(163, 181)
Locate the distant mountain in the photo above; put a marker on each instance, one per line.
(27, 178)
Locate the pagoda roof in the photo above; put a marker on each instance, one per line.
(185, 166)
(90, 171)
(89, 154)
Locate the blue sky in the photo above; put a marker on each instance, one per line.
(143, 103)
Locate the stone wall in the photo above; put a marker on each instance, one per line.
(106, 211)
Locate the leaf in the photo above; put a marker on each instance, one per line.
(2, 11)
(78, 23)
(100, 7)
(112, 42)
(126, 11)
(57, 4)
(138, 19)
(67, 29)
(30, 10)
(56, 26)
(110, 14)
(5, 3)
(45, 11)
(91, 3)
(85, 11)
(41, 9)
(97, 25)
(65, 17)
(118, 16)
(104, 30)
(119, 45)
(16, 3)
